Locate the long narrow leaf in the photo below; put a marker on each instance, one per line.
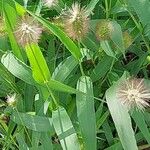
(86, 112)
(38, 64)
(17, 68)
(65, 130)
(139, 120)
(32, 122)
(121, 119)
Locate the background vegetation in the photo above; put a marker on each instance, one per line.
(65, 90)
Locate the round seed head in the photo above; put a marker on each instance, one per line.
(28, 31)
(134, 94)
(76, 21)
(104, 29)
(127, 39)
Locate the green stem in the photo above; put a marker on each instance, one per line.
(81, 69)
(52, 96)
(107, 9)
(80, 63)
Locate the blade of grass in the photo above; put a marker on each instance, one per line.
(140, 122)
(40, 70)
(65, 130)
(63, 70)
(86, 112)
(33, 122)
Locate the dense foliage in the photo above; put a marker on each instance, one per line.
(74, 74)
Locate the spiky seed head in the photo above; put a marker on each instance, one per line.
(133, 93)
(76, 21)
(127, 38)
(50, 3)
(104, 29)
(11, 99)
(28, 31)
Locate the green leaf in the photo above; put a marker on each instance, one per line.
(121, 118)
(116, 36)
(108, 132)
(107, 49)
(46, 141)
(142, 8)
(6, 81)
(58, 86)
(65, 130)
(140, 122)
(20, 10)
(70, 45)
(22, 144)
(40, 70)
(63, 70)
(32, 122)
(17, 68)
(102, 119)
(10, 17)
(86, 112)
(29, 93)
(102, 68)
(92, 5)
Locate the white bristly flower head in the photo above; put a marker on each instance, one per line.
(11, 99)
(134, 94)
(50, 3)
(28, 31)
(76, 21)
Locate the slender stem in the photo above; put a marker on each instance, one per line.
(80, 63)
(52, 95)
(81, 69)
(110, 5)
(107, 9)
(101, 100)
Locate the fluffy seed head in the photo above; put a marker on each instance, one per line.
(134, 94)
(28, 31)
(11, 99)
(76, 21)
(50, 3)
(104, 29)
